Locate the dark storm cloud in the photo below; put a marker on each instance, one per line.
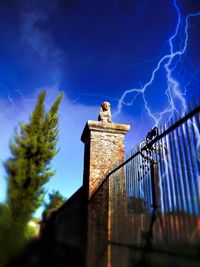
(30, 55)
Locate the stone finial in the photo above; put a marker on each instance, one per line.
(105, 114)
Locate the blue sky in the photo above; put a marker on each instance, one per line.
(138, 55)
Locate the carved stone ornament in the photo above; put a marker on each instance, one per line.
(105, 114)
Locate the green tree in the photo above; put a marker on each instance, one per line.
(56, 200)
(28, 169)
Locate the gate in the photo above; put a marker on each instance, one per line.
(147, 210)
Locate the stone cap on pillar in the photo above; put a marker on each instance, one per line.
(100, 126)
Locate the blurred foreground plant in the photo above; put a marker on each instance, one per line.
(28, 169)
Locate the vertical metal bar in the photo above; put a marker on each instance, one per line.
(174, 170)
(170, 176)
(187, 180)
(135, 176)
(191, 201)
(132, 177)
(165, 231)
(179, 192)
(187, 165)
(194, 159)
(196, 134)
(172, 190)
(131, 172)
(141, 179)
(179, 185)
(162, 177)
(167, 191)
(153, 184)
(197, 118)
(144, 183)
(167, 188)
(179, 178)
(166, 182)
(158, 192)
(148, 186)
(159, 168)
(147, 197)
(181, 153)
(179, 172)
(127, 179)
(183, 179)
(139, 185)
(138, 179)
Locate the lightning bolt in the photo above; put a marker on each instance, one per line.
(169, 62)
(12, 104)
(64, 116)
(177, 46)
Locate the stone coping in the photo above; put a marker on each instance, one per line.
(104, 127)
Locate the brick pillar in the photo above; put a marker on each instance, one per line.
(104, 149)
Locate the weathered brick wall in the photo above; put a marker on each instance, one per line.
(104, 149)
(63, 235)
(97, 228)
(82, 222)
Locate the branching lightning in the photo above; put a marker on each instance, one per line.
(169, 62)
(12, 104)
(64, 115)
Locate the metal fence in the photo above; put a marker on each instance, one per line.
(165, 179)
(151, 202)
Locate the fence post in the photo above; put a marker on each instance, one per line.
(154, 184)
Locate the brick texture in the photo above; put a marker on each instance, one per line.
(104, 150)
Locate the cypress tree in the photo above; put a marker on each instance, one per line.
(28, 169)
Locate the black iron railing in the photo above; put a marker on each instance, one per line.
(152, 200)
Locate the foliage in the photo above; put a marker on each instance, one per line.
(28, 169)
(32, 228)
(5, 217)
(55, 201)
